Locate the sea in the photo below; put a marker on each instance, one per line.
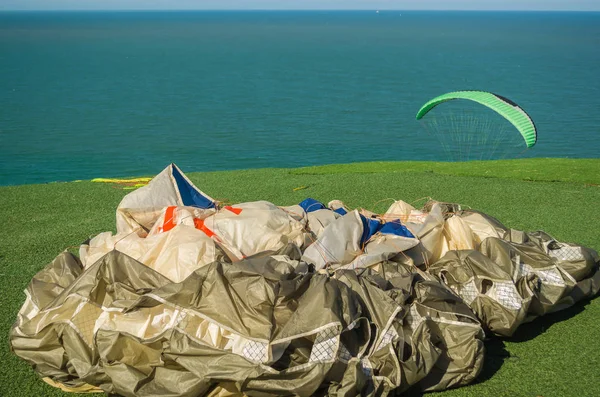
(115, 94)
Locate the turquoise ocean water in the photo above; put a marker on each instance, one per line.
(107, 94)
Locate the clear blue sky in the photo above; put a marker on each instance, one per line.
(574, 5)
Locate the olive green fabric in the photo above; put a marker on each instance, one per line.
(356, 332)
(519, 276)
(266, 325)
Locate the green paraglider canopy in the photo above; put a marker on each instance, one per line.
(503, 106)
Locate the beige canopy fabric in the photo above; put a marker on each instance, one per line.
(192, 298)
(140, 209)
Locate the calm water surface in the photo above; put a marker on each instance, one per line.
(101, 94)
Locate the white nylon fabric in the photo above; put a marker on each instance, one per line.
(140, 209)
(339, 243)
(175, 254)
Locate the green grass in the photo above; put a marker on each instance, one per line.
(557, 355)
(551, 170)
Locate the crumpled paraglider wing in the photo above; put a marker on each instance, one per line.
(257, 324)
(190, 298)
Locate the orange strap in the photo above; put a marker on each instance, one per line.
(199, 224)
(169, 222)
(236, 211)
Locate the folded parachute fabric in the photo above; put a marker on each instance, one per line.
(192, 298)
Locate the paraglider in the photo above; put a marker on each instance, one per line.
(486, 132)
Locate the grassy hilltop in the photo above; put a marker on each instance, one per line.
(557, 355)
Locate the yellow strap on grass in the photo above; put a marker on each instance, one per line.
(132, 180)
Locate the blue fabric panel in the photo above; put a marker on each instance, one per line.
(370, 227)
(365, 233)
(189, 195)
(310, 205)
(397, 228)
(341, 211)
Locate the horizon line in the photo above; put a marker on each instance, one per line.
(290, 9)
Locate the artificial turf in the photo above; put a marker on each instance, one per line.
(557, 355)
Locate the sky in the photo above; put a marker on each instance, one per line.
(541, 5)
